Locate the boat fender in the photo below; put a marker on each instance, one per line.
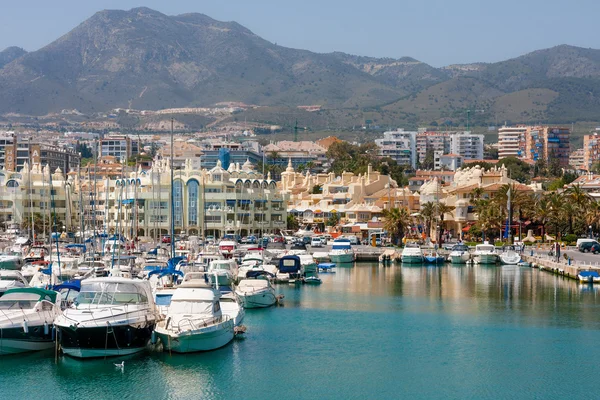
(31, 254)
(46, 329)
(53, 336)
(25, 327)
(153, 338)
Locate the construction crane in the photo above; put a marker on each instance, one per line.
(296, 131)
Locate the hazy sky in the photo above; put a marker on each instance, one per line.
(439, 32)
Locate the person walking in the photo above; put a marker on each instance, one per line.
(557, 251)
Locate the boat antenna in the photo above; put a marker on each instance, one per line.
(172, 197)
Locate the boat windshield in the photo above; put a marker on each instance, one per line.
(191, 307)
(460, 247)
(15, 301)
(9, 278)
(220, 265)
(110, 293)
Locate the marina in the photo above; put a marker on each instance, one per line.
(425, 324)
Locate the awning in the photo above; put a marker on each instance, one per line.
(230, 202)
(127, 201)
(260, 201)
(276, 201)
(245, 201)
(243, 214)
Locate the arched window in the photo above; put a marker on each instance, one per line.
(178, 200)
(192, 188)
(12, 183)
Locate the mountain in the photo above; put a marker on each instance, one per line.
(9, 54)
(144, 59)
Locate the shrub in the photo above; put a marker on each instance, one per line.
(570, 238)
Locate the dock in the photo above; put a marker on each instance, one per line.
(568, 268)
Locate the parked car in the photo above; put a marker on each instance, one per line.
(316, 242)
(166, 239)
(249, 239)
(210, 239)
(298, 245)
(353, 240)
(589, 247)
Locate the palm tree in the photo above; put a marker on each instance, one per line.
(442, 209)
(576, 195)
(396, 222)
(428, 212)
(542, 213)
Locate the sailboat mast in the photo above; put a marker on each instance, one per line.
(172, 198)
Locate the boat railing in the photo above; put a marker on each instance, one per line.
(197, 323)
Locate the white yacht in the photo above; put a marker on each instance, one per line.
(227, 247)
(11, 261)
(194, 320)
(309, 265)
(485, 254)
(232, 307)
(256, 293)
(412, 254)
(510, 256)
(109, 317)
(222, 272)
(459, 254)
(26, 318)
(11, 279)
(341, 252)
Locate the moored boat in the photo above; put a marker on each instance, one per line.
(341, 252)
(510, 256)
(459, 254)
(588, 277)
(412, 254)
(26, 318)
(194, 320)
(109, 317)
(256, 293)
(485, 254)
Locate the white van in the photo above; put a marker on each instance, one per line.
(315, 242)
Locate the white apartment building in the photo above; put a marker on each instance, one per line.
(400, 146)
(511, 141)
(467, 145)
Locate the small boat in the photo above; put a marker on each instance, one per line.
(326, 267)
(312, 280)
(222, 272)
(26, 318)
(10, 279)
(412, 254)
(459, 254)
(434, 258)
(109, 317)
(289, 268)
(309, 265)
(194, 320)
(485, 254)
(523, 264)
(256, 292)
(341, 252)
(388, 256)
(589, 277)
(321, 256)
(227, 247)
(510, 256)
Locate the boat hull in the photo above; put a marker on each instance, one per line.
(221, 279)
(486, 259)
(459, 258)
(257, 300)
(412, 259)
(104, 341)
(15, 340)
(342, 258)
(207, 339)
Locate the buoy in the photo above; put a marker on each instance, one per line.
(25, 327)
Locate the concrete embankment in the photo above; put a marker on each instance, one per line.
(565, 267)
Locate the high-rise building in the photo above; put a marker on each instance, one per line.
(548, 142)
(511, 141)
(16, 151)
(400, 146)
(467, 145)
(577, 160)
(435, 141)
(120, 146)
(591, 150)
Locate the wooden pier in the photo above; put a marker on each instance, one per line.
(566, 268)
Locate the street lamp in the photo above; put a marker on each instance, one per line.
(590, 234)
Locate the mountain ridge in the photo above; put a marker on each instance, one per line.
(141, 58)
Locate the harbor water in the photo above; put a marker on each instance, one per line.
(368, 332)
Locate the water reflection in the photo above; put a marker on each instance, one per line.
(476, 290)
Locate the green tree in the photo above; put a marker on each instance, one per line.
(317, 189)
(429, 161)
(292, 222)
(333, 219)
(396, 221)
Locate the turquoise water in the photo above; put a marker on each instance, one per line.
(368, 332)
